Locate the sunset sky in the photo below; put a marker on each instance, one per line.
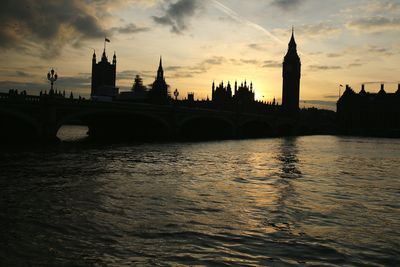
(339, 42)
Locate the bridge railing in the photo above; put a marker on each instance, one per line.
(19, 97)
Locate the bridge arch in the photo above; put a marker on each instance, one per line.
(120, 124)
(18, 126)
(206, 127)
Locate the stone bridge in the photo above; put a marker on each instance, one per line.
(33, 117)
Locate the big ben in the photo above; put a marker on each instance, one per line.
(291, 73)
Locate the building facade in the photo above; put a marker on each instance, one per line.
(369, 113)
(103, 77)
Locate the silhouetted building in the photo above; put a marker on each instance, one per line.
(221, 95)
(244, 94)
(103, 77)
(369, 113)
(291, 73)
(159, 90)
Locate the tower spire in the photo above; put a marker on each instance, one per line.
(160, 72)
(292, 43)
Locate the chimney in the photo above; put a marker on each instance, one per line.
(398, 87)
(362, 87)
(382, 87)
(347, 86)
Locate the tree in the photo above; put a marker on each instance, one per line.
(138, 84)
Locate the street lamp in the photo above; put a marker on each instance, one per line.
(176, 94)
(52, 77)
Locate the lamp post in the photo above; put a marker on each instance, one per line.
(176, 94)
(52, 77)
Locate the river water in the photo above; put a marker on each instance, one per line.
(268, 202)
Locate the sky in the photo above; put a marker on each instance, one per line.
(201, 41)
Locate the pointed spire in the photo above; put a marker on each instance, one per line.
(94, 55)
(160, 72)
(382, 91)
(292, 43)
(114, 59)
(104, 56)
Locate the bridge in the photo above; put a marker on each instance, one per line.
(39, 118)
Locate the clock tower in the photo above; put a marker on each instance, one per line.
(291, 73)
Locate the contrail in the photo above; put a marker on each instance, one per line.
(245, 21)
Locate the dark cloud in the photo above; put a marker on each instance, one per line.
(130, 28)
(216, 60)
(287, 4)
(331, 96)
(74, 81)
(352, 65)
(379, 50)
(320, 103)
(258, 47)
(5, 86)
(130, 74)
(48, 24)
(173, 68)
(324, 67)
(272, 64)
(375, 24)
(177, 14)
(250, 61)
(334, 55)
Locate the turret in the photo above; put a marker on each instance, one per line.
(362, 92)
(104, 56)
(382, 91)
(235, 87)
(114, 59)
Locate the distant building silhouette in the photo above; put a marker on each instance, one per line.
(222, 95)
(159, 90)
(244, 94)
(369, 113)
(103, 77)
(291, 73)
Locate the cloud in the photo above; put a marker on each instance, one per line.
(320, 103)
(287, 5)
(177, 15)
(331, 96)
(257, 46)
(250, 61)
(130, 28)
(374, 24)
(353, 65)
(321, 29)
(48, 24)
(334, 55)
(324, 67)
(272, 64)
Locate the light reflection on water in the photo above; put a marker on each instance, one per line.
(307, 200)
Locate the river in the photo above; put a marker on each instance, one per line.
(311, 200)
